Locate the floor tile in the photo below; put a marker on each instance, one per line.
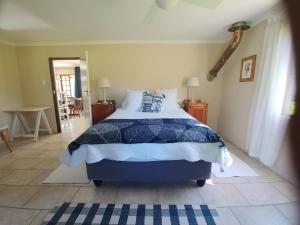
(22, 164)
(20, 177)
(180, 193)
(27, 154)
(12, 216)
(25, 144)
(16, 196)
(51, 153)
(4, 172)
(288, 190)
(103, 194)
(41, 158)
(47, 164)
(38, 180)
(290, 211)
(229, 180)
(259, 215)
(53, 146)
(222, 195)
(225, 217)
(137, 193)
(5, 162)
(39, 218)
(47, 197)
(266, 175)
(6, 155)
(261, 193)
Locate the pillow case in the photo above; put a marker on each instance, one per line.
(151, 103)
(170, 101)
(133, 100)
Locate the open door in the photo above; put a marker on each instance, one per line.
(85, 85)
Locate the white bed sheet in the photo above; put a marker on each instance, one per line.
(146, 152)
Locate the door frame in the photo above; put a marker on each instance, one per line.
(53, 87)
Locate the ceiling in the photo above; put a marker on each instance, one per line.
(72, 21)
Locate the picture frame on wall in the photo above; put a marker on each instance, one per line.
(248, 68)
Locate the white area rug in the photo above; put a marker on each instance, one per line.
(237, 169)
(68, 175)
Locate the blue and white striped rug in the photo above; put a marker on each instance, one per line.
(130, 214)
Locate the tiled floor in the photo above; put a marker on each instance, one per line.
(24, 200)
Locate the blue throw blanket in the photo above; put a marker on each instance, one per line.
(135, 131)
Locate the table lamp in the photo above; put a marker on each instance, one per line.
(104, 84)
(192, 82)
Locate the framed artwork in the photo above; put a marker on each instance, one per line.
(248, 68)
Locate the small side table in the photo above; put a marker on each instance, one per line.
(196, 109)
(4, 137)
(102, 110)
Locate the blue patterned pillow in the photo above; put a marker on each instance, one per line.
(151, 103)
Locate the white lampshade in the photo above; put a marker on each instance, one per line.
(104, 83)
(193, 82)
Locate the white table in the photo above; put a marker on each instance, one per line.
(40, 115)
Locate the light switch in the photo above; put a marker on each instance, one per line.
(43, 82)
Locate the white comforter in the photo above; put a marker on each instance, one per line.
(148, 151)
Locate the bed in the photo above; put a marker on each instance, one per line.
(148, 147)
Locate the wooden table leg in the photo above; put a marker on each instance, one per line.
(4, 138)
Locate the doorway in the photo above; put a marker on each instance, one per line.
(66, 76)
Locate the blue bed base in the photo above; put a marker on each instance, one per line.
(156, 171)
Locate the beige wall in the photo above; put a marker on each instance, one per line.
(148, 66)
(237, 96)
(237, 99)
(10, 87)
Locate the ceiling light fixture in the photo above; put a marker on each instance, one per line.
(166, 4)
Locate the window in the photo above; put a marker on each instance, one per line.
(289, 101)
(65, 83)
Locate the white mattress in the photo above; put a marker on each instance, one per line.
(146, 152)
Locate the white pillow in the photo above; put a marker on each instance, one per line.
(170, 100)
(133, 100)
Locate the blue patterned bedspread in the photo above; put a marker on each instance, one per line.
(135, 131)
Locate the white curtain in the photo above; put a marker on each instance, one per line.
(268, 122)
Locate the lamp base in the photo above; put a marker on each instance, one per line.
(196, 101)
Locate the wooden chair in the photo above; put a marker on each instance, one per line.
(76, 109)
(4, 137)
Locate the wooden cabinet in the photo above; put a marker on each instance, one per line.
(101, 110)
(196, 109)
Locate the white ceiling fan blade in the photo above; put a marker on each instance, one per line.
(209, 4)
(151, 14)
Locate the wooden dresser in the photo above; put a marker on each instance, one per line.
(100, 110)
(196, 109)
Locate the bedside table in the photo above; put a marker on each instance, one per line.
(100, 110)
(196, 109)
